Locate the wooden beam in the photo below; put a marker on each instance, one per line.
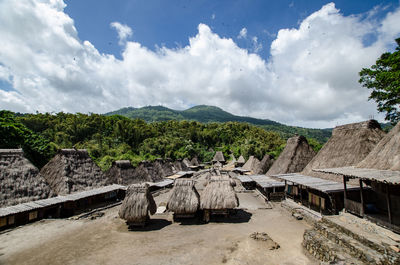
(389, 204)
(362, 198)
(285, 189)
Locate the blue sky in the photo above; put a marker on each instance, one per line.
(171, 23)
(295, 62)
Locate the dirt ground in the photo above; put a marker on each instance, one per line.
(107, 240)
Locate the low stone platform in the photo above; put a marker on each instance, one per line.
(347, 239)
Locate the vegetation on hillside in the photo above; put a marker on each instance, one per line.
(209, 114)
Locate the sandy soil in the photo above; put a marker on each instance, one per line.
(107, 240)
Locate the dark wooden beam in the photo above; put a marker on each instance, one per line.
(389, 204)
(362, 198)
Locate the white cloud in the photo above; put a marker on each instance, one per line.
(242, 34)
(309, 80)
(123, 31)
(257, 47)
(213, 16)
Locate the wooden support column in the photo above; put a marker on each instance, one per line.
(301, 194)
(285, 189)
(362, 198)
(345, 191)
(389, 204)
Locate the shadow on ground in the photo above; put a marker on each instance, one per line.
(152, 225)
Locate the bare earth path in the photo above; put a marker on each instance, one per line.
(106, 240)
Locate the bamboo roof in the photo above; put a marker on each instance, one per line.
(384, 176)
(323, 185)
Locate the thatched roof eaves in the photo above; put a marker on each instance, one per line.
(383, 176)
(184, 198)
(218, 194)
(7, 152)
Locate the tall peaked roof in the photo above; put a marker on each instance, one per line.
(20, 181)
(348, 145)
(294, 157)
(386, 154)
(72, 170)
(252, 164)
(241, 160)
(218, 157)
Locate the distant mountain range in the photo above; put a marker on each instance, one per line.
(206, 114)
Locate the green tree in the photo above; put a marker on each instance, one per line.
(384, 80)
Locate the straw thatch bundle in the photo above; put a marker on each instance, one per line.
(20, 181)
(72, 170)
(252, 164)
(218, 157)
(137, 204)
(264, 165)
(386, 154)
(184, 198)
(294, 158)
(348, 146)
(218, 194)
(121, 172)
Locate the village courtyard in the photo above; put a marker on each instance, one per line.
(106, 239)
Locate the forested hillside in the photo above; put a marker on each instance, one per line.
(207, 114)
(110, 138)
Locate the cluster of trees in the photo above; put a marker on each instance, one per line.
(110, 138)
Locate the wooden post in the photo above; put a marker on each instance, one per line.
(301, 194)
(285, 189)
(362, 197)
(389, 204)
(320, 207)
(345, 191)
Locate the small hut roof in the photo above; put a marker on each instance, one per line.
(252, 164)
(233, 158)
(218, 194)
(386, 154)
(121, 172)
(184, 197)
(122, 164)
(194, 162)
(218, 157)
(348, 146)
(241, 159)
(20, 180)
(294, 158)
(137, 203)
(264, 165)
(72, 170)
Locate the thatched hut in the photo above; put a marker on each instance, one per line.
(72, 170)
(20, 181)
(184, 200)
(348, 146)
(240, 162)
(218, 157)
(264, 165)
(252, 164)
(386, 154)
(121, 172)
(154, 171)
(194, 162)
(294, 158)
(137, 204)
(218, 197)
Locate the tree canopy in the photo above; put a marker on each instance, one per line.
(384, 80)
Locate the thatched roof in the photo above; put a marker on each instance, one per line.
(252, 164)
(72, 170)
(20, 181)
(218, 157)
(264, 165)
(386, 154)
(121, 172)
(184, 197)
(155, 171)
(241, 160)
(186, 162)
(194, 162)
(218, 194)
(137, 203)
(233, 158)
(348, 146)
(294, 158)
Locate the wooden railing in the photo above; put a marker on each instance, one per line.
(353, 207)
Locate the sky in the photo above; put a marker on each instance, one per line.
(295, 62)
